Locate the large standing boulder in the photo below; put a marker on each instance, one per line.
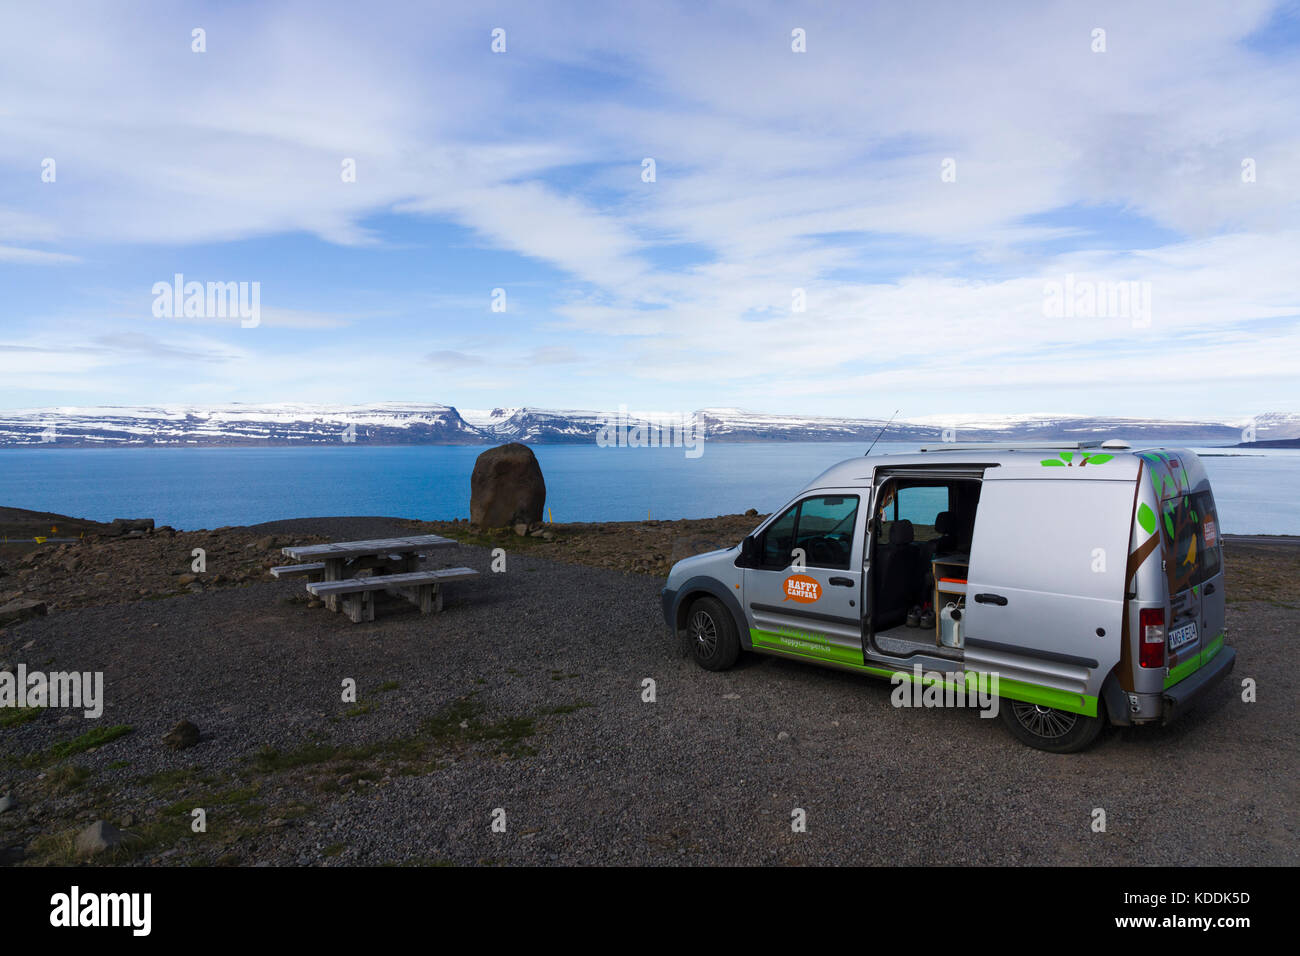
(506, 488)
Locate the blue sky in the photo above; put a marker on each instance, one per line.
(776, 171)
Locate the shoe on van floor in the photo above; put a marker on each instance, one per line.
(914, 616)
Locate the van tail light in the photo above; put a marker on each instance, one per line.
(1151, 625)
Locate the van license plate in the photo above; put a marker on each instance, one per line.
(1181, 636)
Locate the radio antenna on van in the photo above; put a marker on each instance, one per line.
(881, 432)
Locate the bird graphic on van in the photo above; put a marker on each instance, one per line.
(801, 588)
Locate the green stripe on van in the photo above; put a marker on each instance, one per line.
(1193, 664)
(810, 647)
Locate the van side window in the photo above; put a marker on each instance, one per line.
(778, 540)
(825, 530)
(1209, 534)
(822, 526)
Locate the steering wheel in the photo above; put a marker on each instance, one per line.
(823, 551)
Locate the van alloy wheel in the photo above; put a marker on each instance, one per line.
(713, 637)
(1042, 721)
(704, 633)
(1050, 729)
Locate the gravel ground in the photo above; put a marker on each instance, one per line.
(541, 670)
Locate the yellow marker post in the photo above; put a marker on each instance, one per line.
(39, 540)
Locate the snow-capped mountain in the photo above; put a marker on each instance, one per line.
(400, 423)
(734, 424)
(396, 423)
(485, 419)
(539, 425)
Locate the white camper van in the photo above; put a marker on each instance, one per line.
(1082, 582)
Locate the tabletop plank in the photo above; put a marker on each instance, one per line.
(357, 549)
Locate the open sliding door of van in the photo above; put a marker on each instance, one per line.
(1045, 594)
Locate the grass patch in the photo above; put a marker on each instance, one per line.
(462, 724)
(66, 779)
(17, 716)
(334, 849)
(456, 727)
(270, 760)
(360, 708)
(387, 686)
(87, 741)
(167, 782)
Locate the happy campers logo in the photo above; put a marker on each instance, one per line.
(800, 587)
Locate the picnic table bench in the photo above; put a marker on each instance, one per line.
(422, 588)
(394, 566)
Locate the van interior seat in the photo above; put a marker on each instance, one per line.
(901, 578)
(955, 535)
(944, 526)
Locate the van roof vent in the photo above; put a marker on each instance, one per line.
(1025, 445)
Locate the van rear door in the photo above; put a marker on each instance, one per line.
(1194, 569)
(1045, 594)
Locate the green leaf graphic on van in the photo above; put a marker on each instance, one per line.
(1147, 518)
(1067, 458)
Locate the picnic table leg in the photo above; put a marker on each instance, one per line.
(359, 607)
(333, 572)
(430, 598)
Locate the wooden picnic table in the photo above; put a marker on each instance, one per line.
(343, 550)
(341, 560)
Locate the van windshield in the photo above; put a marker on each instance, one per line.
(1191, 531)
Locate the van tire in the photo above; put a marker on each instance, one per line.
(711, 631)
(1045, 728)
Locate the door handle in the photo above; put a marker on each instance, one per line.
(842, 582)
(997, 599)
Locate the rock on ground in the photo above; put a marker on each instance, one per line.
(98, 837)
(182, 736)
(506, 488)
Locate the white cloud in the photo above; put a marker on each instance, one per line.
(34, 256)
(819, 171)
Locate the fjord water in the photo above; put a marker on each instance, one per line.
(210, 487)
